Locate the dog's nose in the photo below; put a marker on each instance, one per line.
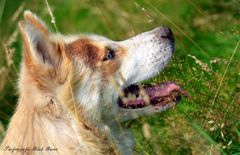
(166, 33)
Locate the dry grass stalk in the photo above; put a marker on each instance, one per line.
(203, 66)
(146, 129)
(9, 54)
(1, 129)
(12, 38)
(3, 73)
(18, 12)
(51, 15)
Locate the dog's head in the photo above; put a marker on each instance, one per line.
(93, 70)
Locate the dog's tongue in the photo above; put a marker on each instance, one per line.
(156, 95)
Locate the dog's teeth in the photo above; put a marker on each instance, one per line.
(139, 97)
(132, 96)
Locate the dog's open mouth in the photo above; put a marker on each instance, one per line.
(161, 95)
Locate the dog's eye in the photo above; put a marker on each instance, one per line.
(110, 55)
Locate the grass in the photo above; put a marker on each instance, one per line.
(206, 63)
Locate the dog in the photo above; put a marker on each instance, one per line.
(75, 90)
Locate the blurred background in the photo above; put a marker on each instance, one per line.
(206, 64)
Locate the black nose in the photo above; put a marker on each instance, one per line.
(166, 33)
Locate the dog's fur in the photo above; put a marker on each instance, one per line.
(69, 90)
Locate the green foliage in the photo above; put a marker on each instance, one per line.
(206, 34)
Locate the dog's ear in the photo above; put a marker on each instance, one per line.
(36, 22)
(38, 47)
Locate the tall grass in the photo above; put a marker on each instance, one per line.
(206, 63)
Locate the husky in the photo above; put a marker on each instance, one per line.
(76, 90)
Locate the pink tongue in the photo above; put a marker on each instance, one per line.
(161, 90)
(157, 94)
